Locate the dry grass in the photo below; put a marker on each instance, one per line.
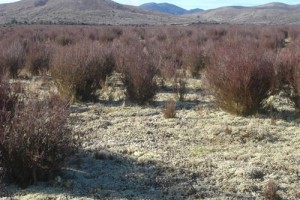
(170, 109)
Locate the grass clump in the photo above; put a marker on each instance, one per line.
(170, 109)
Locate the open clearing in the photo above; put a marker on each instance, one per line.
(133, 152)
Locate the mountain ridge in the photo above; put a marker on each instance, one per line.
(168, 8)
(80, 12)
(107, 12)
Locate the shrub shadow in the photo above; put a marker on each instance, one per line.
(107, 175)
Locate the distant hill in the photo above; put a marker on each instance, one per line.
(108, 12)
(168, 8)
(272, 13)
(81, 12)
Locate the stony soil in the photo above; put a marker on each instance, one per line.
(133, 152)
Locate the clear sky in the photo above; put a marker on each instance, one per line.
(204, 4)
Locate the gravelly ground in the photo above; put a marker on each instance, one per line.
(133, 152)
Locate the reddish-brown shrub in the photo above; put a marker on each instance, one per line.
(272, 38)
(12, 56)
(79, 70)
(168, 58)
(38, 58)
(35, 140)
(288, 73)
(65, 40)
(137, 65)
(194, 60)
(240, 76)
(109, 34)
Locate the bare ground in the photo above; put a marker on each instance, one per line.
(133, 152)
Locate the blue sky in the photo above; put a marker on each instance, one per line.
(204, 4)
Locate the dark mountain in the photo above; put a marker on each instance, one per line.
(168, 8)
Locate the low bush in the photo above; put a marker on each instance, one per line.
(79, 70)
(241, 78)
(194, 60)
(288, 73)
(139, 71)
(12, 57)
(35, 140)
(270, 191)
(179, 86)
(38, 58)
(170, 109)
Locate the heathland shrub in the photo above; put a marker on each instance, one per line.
(34, 139)
(240, 76)
(137, 65)
(79, 70)
(12, 57)
(38, 58)
(194, 60)
(288, 73)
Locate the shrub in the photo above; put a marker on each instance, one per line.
(179, 86)
(270, 191)
(288, 74)
(65, 40)
(272, 38)
(38, 58)
(194, 60)
(12, 56)
(35, 141)
(109, 34)
(241, 78)
(168, 57)
(170, 109)
(139, 71)
(79, 70)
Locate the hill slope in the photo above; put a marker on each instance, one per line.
(168, 8)
(272, 13)
(80, 12)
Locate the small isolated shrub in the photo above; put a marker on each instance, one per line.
(180, 87)
(79, 70)
(170, 109)
(240, 76)
(38, 58)
(35, 140)
(139, 71)
(270, 191)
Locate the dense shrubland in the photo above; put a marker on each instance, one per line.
(240, 65)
